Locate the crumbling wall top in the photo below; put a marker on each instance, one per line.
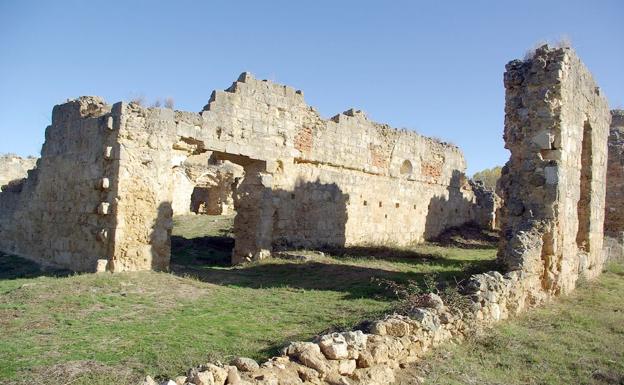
(82, 107)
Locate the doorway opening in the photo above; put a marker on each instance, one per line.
(584, 202)
(204, 211)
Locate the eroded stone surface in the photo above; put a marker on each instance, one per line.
(53, 218)
(556, 127)
(308, 182)
(487, 205)
(553, 185)
(204, 186)
(13, 169)
(245, 364)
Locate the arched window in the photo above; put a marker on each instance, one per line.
(406, 167)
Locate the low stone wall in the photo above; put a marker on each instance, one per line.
(370, 357)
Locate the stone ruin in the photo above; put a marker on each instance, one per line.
(111, 177)
(487, 206)
(311, 182)
(614, 214)
(201, 186)
(13, 169)
(553, 187)
(556, 127)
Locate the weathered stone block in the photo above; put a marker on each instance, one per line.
(334, 346)
(245, 364)
(103, 208)
(101, 266)
(110, 123)
(108, 152)
(104, 184)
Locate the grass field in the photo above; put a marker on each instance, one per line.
(95, 329)
(577, 340)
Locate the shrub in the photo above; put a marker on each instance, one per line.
(563, 42)
(139, 100)
(412, 294)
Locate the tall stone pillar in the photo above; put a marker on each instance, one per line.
(253, 224)
(556, 127)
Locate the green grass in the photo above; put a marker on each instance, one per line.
(194, 226)
(577, 340)
(115, 328)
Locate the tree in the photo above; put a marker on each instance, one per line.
(489, 176)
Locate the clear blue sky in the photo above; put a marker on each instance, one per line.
(435, 67)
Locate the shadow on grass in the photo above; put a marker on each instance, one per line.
(201, 251)
(13, 267)
(390, 254)
(205, 258)
(469, 236)
(354, 281)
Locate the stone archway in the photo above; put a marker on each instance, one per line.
(250, 199)
(253, 224)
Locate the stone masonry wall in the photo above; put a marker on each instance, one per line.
(343, 181)
(614, 210)
(308, 182)
(143, 191)
(215, 189)
(488, 203)
(614, 214)
(556, 127)
(14, 168)
(55, 217)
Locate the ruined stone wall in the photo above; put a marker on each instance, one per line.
(308, 182)
(487, 206)
(55, 217)
(373, 355)
(183, 187)
(614, 214)
(614, 203)
(556, 127)
(204, 186)
(342, 181)
(215, 194)
(391, 187)
(14, 168)
(143, 190)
